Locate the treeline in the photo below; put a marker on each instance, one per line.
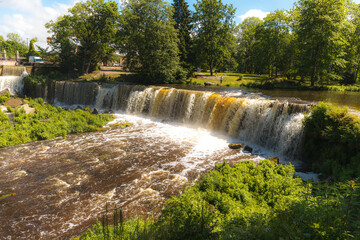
(12, 44)
(157, 39)
(316, 40)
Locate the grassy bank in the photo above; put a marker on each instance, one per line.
(264, 82)
(47, 122)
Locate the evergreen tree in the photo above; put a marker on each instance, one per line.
(183, 23)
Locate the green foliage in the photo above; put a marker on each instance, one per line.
(12, 44)
(149, 40)
(332, 143)
(214, 39)
(85, 36)
(183, 23)
(320, 36)
(32, 51)
(48, 122)
(230, 198)
(5, 97)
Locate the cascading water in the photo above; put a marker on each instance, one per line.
(273, 125)
(12, 83)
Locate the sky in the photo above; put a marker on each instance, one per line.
(28, 17)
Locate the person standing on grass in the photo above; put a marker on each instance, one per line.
(221, 79)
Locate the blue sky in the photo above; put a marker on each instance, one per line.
(28, 17)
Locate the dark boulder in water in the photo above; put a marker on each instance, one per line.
(236, 146)
(248, 149)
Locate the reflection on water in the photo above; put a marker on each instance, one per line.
(62, 185)
(350, 99)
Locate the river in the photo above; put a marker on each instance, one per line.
(177, 135)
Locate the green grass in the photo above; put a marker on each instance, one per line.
(264, 82)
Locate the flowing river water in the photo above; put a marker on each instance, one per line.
(62, 185)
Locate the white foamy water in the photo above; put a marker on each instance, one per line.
(14, 84)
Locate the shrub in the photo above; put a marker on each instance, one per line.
(47, 122)
(332, 143)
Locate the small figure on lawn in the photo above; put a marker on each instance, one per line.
(221, 79)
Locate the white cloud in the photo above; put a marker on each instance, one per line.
(28, 17)
(254, 13)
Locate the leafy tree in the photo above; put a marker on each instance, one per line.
(273, 39)
(183, 23)
(86, 35)
(214, 39)
(321, 42)
(32, 51)
(246, 42)
(149, 40)
(352, 34)
(12, 44)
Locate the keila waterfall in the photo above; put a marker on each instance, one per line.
(177, 135)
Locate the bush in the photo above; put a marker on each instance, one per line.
(332, 143)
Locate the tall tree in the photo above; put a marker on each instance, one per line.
(246, 43)
(273, 39)
(352, 33)
(214, 32)
(183, 23)
(149, 40)
(321, 42)
(87, 34)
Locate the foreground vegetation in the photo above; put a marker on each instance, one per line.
(247, 201)
(332, 143)
(47, 122)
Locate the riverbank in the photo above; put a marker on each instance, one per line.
(263, 82)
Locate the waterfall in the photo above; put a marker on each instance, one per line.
(75, 93)
(268, 124)
(13, 70)
(14, 84)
